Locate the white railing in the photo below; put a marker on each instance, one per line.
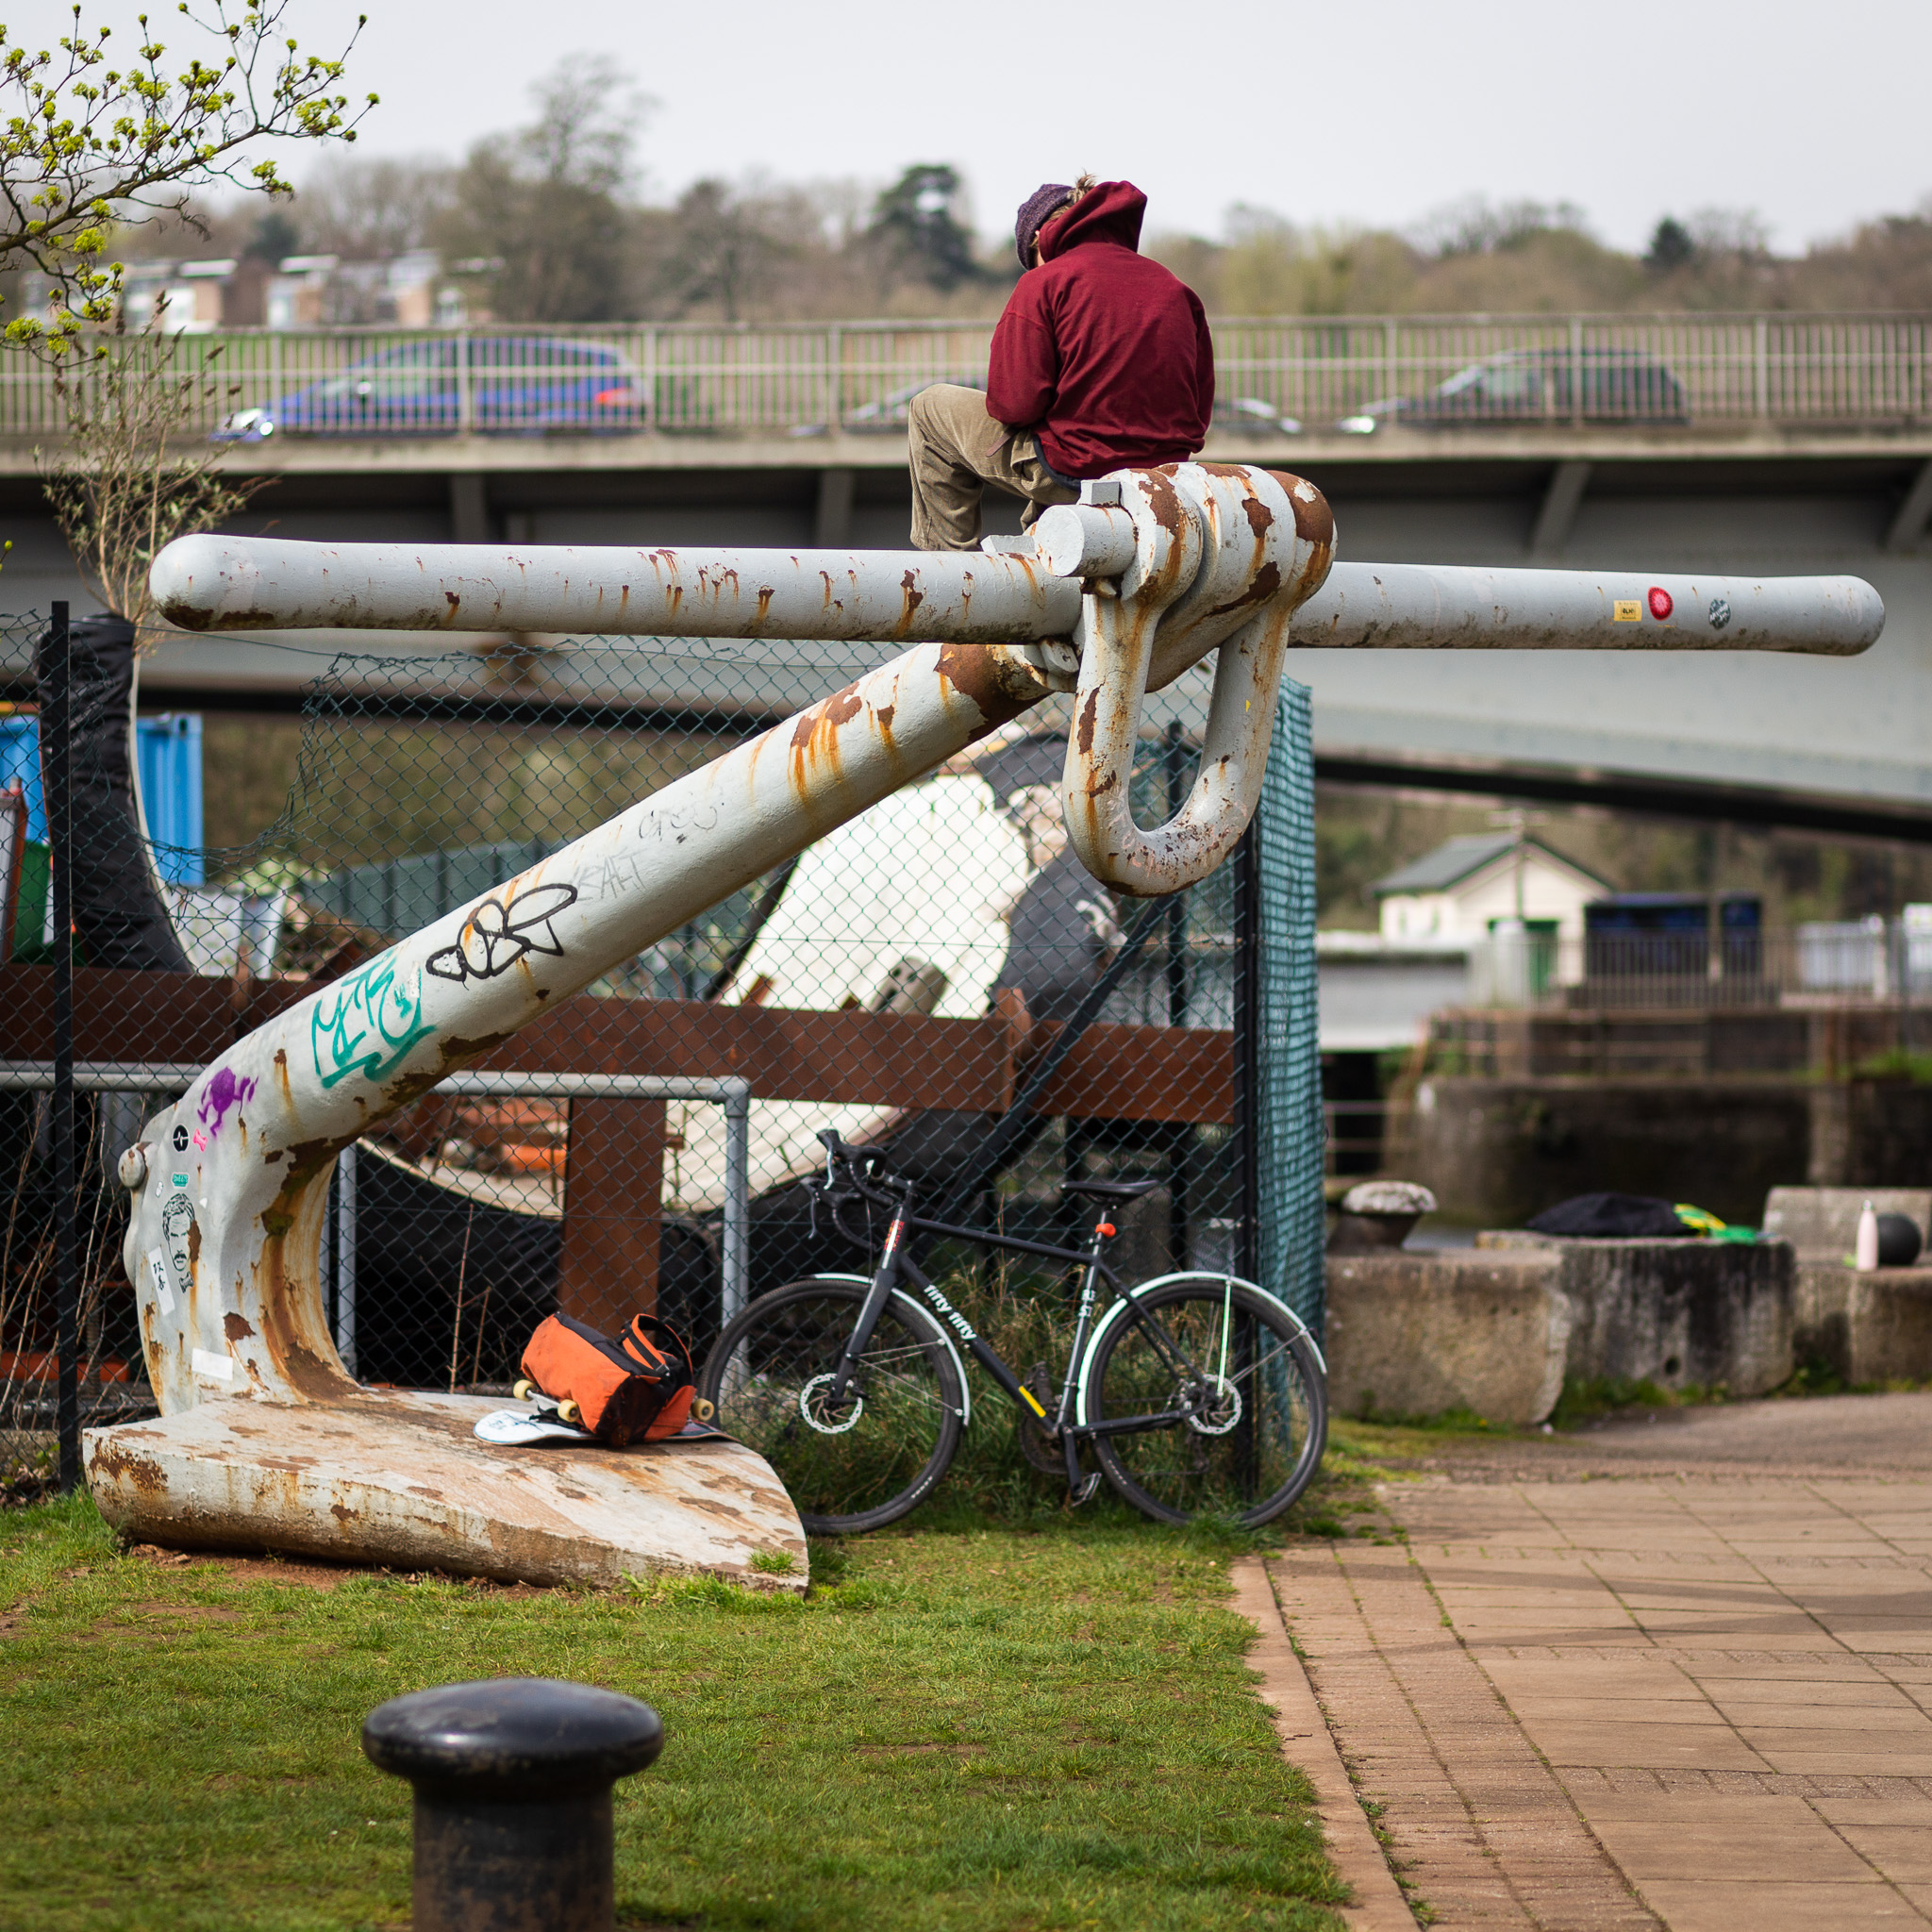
(807, 380)
(1820, 963)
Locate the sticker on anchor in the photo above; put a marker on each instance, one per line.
(171, 1266)
(369, 1023)
(503, 931)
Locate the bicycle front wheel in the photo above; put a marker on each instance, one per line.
(1223, 1397)
(867, 1458)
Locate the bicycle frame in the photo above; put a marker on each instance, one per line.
(896, 1266)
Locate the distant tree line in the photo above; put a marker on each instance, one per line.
(551, 220)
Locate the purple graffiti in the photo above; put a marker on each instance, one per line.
(224, 1093)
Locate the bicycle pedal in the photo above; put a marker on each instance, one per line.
(1083, 1491)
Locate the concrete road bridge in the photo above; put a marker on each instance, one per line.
(1740, 444)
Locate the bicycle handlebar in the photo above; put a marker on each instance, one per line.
(846, 1178)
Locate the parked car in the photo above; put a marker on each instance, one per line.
(1253, 415)
(891, 410)
(516, 383)
(1604, 385)
(1249, 413)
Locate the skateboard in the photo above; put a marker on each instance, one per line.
(548, 1420)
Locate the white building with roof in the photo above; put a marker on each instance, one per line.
(1458, 892)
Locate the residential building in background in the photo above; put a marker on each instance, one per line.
(415, 290)
(1459, 891)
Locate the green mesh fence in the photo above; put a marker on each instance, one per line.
(895, 981)
(1289, 1128)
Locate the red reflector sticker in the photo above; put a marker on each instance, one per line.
(1660, 605)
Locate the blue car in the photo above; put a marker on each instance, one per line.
(516, 384)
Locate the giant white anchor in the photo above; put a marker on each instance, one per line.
(265, 1437)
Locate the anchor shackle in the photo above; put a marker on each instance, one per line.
(1176, 562)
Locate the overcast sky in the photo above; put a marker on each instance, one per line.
(1374, 111)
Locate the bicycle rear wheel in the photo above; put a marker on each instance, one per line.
(1231, 1397)
(869, 1460)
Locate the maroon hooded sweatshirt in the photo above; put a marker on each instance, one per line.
(1104, 354)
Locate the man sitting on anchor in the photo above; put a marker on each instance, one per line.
(1102, 360)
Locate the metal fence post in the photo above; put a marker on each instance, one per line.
(1247, 1054)
(735, 1262)
(56, 732)
(345, 1257)
(1246, 1042)
(466, 394)
(1175, 777)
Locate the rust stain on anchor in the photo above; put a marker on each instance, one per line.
(998, 684)
(825, 719)
(1314, 522)
(1089, 712)
(910, 598)
(1163, 499)
(121, 1464)
(1262, 589)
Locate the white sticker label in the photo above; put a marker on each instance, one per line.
(158, 1274)
(220, 1368)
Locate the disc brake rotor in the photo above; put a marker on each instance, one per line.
(1214, 1404)
(812, 1406)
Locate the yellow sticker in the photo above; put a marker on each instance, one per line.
(1627, 610)
(1032, 1401)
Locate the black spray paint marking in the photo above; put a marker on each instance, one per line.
(501, 931)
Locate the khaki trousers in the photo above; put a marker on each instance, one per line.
(957, 449)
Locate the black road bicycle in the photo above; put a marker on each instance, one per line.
(1198, 1394)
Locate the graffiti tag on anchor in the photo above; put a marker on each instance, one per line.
(368, 1023)
(501, 931)
(224, 1093)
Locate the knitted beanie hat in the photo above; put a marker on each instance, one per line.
(1046, 200)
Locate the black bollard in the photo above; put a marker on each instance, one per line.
(512, 1779)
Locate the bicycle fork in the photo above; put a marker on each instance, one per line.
(882, 1281)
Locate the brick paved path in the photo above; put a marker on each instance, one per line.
(1691, 1700)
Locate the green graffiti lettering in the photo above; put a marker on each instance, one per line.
(367, 1023)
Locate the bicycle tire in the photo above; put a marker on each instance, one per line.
(847, 1472)
(1250, 1451)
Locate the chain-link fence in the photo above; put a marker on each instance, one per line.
(940, 977)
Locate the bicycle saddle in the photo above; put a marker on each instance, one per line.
(1112, 1190)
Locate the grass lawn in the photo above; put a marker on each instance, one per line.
(1036, 1724)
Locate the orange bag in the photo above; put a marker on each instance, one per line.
(639, 1389)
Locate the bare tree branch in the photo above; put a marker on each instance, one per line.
(137, 470)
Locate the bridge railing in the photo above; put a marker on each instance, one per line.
(1367, 373)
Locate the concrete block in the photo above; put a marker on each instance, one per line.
(1875, 1327)
(1682, 1314)
(1498, 1328)
(1419, 1334)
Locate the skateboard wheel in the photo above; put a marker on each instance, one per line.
(704, 1410)
(569, 1412)
(523, 1389)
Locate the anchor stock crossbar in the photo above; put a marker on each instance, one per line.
(1116, 596)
